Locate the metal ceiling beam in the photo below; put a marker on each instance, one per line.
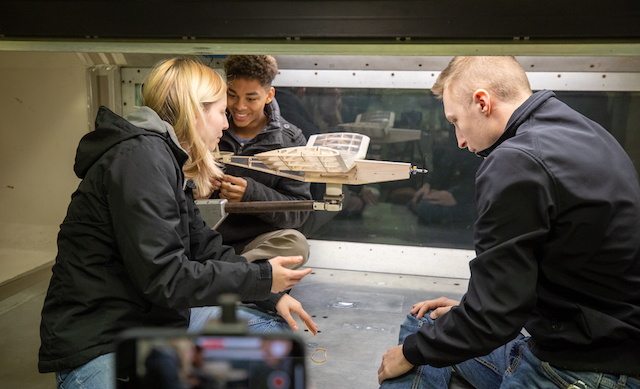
(345, 19)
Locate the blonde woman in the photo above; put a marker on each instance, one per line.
(133, 250)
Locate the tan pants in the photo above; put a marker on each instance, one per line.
(283, 243)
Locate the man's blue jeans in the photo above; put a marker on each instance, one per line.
(509, 366)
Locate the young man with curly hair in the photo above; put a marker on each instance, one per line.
(255, 126)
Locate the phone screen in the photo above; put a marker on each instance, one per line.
(170, 360)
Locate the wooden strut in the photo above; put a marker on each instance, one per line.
(268, 206)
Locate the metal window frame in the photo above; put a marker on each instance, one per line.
(103, 88)
(407, 79)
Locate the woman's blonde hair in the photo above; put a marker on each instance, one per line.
(502, 76)
(178, 89)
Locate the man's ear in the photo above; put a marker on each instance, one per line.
(270, 95)
(482, 101)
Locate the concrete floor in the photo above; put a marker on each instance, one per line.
(358, 316)
(20, 339)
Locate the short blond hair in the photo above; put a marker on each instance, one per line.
(177, 89)
(502, 76)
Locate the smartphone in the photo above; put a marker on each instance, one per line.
(173, 359)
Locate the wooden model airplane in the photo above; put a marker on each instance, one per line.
(334, 159)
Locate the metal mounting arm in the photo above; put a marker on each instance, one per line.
(215, 211)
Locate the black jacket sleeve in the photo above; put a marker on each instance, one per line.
(148, 208)
(515, 198)
(268, 305)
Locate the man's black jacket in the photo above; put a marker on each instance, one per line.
(558, 249)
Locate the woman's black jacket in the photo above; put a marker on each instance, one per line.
(133, 250)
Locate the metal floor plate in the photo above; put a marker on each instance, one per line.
(359, 316)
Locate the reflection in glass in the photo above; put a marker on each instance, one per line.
(436, 209)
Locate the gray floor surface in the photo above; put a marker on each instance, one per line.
(20, 340)
(358, 316)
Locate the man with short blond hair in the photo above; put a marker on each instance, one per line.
(502, 75)
(557, 242)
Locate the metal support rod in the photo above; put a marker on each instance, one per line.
(269, 206)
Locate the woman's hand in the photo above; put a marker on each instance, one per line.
(440, 306)
(283, 278)
(216, 182)
(215, 185)
(288, 304)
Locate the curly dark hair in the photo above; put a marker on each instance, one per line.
(256, 67)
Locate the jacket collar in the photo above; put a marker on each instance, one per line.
(519, 116)
(272, 110)
(148, 119)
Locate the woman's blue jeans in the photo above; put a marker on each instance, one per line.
(509, 366)
(100, 373)
(257, 321)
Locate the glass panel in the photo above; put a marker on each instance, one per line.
(436, 209)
